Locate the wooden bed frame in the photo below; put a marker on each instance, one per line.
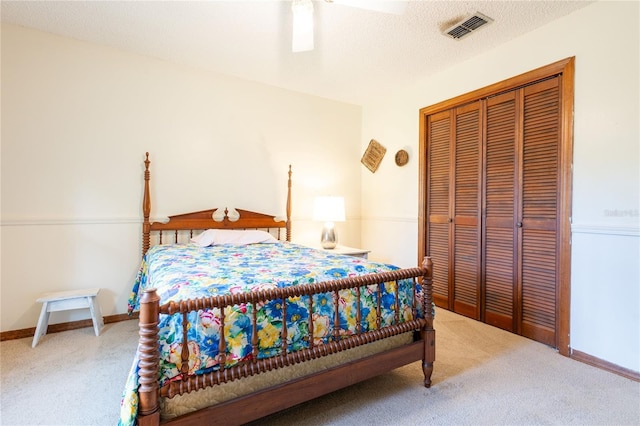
(276, 398)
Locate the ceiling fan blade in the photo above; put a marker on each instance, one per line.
(302, 37)
(385, 6)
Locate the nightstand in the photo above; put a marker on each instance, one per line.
(349, 251)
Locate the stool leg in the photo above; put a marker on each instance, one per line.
(43, 322)
(96, 315)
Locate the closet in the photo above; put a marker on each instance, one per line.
(495, 170)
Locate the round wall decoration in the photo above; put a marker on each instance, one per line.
(402, 157)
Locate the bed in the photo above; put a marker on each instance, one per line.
(269, 324)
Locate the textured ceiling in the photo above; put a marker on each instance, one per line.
(357, 52)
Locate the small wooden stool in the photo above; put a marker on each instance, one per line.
(64, 301)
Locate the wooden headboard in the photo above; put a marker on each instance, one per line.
(205, 219)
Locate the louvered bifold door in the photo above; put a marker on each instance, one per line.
(500, 210)
(438, 187)
(467, 191)
(495, 203)
(539, 223)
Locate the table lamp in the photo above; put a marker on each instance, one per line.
(329, 210)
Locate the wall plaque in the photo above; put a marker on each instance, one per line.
(402, 157)
(373, 155)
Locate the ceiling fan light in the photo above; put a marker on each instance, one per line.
(302, 39)
(385, 6)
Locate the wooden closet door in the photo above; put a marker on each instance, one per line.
(465, 210)
(522, 270)
(438, 187)
(520, 230)
(500, 210)
(539, 224)
(454, 196)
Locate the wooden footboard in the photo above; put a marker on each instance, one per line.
(265, 402)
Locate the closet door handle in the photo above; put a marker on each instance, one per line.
(519, 224)
(450, 220)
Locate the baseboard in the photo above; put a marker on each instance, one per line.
(605, 365)
(65, 326)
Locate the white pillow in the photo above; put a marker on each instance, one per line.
(230, 236)
(204, 239)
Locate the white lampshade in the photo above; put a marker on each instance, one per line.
(329, 209)
(302, 38)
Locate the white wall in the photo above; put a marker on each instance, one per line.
(605, 282)
(77, 118)
(76, 121)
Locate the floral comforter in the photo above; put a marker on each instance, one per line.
(188, 271)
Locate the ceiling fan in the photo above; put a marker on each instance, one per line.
(302, 40)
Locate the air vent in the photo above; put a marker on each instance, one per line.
(468, 25)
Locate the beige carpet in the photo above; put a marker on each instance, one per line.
(482, 376)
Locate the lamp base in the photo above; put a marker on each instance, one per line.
(328, 245)
(328, 239)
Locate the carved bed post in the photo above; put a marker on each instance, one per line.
(146, 208)
(149, 408)
(428, 333)
(289, 206)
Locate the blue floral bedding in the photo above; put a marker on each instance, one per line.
(181, 272)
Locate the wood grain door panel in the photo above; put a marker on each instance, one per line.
(466, 208)
(540, 195)
(438, 235)
(438, 203)
(500, 211)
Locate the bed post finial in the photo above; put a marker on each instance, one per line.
(289, 206)
(146, 207)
